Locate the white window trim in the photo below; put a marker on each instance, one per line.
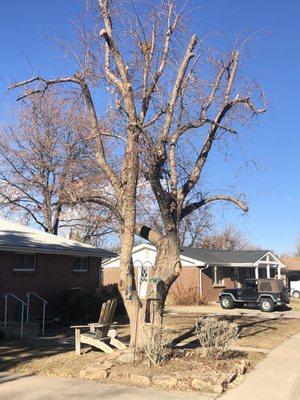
(26, 269)
(81, 270)
(215, 283)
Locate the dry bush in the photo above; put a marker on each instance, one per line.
(156, 347)
(181, 295)
(216, 336)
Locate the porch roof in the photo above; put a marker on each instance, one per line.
(227, 257)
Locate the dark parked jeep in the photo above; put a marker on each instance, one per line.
(266, 293)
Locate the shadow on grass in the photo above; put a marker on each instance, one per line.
(251, 326)
(58, 341)
(193, 344)
(248, 326)
(15, 352)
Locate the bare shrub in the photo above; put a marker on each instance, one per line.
(183, 295)
(156, 347)
(215, 336)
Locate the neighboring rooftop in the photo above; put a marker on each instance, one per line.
(292, 263)
(223, 257)
(220, 257)
(14, 236)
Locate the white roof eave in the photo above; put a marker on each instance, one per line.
(277, 262)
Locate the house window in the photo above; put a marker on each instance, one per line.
(80, 264)
(24, 262)
(250, 273)
(144, 274)
(218, 276)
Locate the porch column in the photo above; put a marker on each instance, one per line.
(256, 273)
(268, 271)
(278, 271)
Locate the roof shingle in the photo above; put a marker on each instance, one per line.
(14, 236)
(220, 257)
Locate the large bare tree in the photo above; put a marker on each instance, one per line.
(170, 100)
(43, 160)
(91, 223)
(38, 160)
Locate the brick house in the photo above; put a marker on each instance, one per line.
(209, 271)
(46, 264)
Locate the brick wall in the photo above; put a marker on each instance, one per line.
(53, 273)
(210, 291)
(187, 280)
(110, 276)
(190, 278)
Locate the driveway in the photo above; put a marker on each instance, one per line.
(35, 387)
(215, 309)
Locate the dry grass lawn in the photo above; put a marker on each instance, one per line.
(295, 304)
(254, 332)
(55, 355)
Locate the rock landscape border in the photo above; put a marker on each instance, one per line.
(101, 371)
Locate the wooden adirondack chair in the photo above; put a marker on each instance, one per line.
(99, 334)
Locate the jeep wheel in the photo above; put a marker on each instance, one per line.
(296, 294)
(226, 302)
(266, 305)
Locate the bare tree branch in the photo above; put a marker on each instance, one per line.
(46, 83)
(189, 54)
(189, 208)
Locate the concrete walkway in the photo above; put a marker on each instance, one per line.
(36, 387)
(277, 377)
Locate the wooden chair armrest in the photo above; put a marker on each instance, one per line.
(79, 326)
(97, 325)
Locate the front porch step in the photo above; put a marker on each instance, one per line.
(12, 330)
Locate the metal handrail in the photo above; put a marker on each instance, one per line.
(22, 313)
(44, 308)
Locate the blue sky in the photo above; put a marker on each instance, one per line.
(27, 29)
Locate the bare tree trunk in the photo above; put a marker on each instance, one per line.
(127, 202)
(150, 311)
